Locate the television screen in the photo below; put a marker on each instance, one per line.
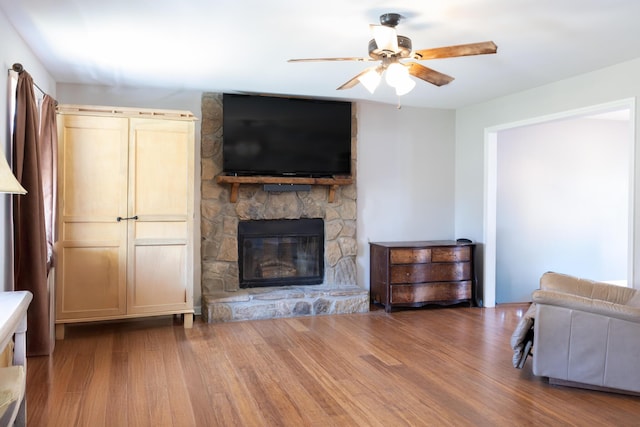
(277, 136)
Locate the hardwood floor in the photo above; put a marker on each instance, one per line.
(449, 366)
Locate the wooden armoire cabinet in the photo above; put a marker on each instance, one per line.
(125, 214)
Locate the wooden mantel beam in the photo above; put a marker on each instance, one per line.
(235, 181)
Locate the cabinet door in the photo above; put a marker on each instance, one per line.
(92, 190)
(161, 162)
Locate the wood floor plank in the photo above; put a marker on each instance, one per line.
(179, 401)
(423, 367)
(196, 364)
(117, 390)
(93, 412)
(66, 412)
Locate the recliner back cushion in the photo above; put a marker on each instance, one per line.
(634, 301)
(587, 288)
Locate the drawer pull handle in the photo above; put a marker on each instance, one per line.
(126, 219)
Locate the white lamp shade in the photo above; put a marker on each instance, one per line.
(396, 74)
(8, 182)
(405, 86)
(386, 37)
(371, 79)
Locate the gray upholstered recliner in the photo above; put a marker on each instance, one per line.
(585, 333)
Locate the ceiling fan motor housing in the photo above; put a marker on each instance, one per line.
(390, 19)
(404, 49)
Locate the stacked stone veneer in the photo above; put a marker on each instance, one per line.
(222, 299)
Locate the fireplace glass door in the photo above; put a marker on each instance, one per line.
(281, 252)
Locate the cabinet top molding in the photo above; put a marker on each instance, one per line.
(90, 110)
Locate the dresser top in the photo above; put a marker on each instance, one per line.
(421, 244)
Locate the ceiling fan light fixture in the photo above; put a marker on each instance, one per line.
(396, 74)
(405, 86)
(371, 79)
(386, 38)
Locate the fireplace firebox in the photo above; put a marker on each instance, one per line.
(281, 252)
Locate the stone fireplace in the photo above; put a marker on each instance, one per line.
(225, 295)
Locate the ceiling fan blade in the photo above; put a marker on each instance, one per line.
(329, 59)
(354, 81)
(348, 85)
(482, 48)
(428, 75)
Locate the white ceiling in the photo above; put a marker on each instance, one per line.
(243, 45)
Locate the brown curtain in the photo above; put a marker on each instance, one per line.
(49, 168)
(30, 241)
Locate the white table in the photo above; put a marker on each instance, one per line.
(13, 323)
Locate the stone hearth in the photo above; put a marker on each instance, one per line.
(287, 301)
(222, 298)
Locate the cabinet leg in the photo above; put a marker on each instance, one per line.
(188, 320)
(60, 331)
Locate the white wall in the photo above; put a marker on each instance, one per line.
(562, 203)
(13, 50)
(405, 177)
(608, 85)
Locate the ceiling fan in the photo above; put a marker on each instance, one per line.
(390, 48)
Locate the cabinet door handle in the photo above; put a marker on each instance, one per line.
(126, 219)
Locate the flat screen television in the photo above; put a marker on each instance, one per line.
(279, 136)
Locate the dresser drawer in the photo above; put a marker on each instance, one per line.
(438, 272)
(451, 254)
(437, 291)
(424, 255)
(410, 256)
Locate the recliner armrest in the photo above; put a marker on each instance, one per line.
(590, 305)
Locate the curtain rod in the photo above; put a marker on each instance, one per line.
(18, 68)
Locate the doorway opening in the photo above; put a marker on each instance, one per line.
(540, 230)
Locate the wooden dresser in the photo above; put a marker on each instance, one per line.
(413, 274)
